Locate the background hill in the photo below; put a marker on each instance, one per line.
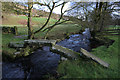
(12, 17)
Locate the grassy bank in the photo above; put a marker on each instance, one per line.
(88, 69)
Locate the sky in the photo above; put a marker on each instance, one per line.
(56, 10)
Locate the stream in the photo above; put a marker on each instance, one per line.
(42, 62)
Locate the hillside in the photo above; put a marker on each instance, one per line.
(41, 13)
(12, 19)
(16, 17)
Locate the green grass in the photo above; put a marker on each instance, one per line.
(36, 18)
(6, 39)
(60, 30)
(88, 69)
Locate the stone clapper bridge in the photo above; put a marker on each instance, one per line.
(63, 51)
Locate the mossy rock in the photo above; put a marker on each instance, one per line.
(23, 52)
(26, 51)
(7, 56)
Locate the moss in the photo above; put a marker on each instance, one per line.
(7, 56)
(26, 51)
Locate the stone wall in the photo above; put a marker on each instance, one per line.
(12, 30)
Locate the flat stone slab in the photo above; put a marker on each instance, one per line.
(65, 51)
(21, 44)
(75, 55)
(40, 42)
(93, 57)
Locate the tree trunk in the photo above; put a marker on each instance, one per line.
(95, 18)
(30, 29)
(98, 17)
(103, 15)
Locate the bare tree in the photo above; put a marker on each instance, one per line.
(95, 15)
(54, 5)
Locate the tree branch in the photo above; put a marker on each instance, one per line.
(70, 9)
(47, 19)
(60, 4)
(49, 28)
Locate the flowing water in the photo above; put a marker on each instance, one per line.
(42, 62)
